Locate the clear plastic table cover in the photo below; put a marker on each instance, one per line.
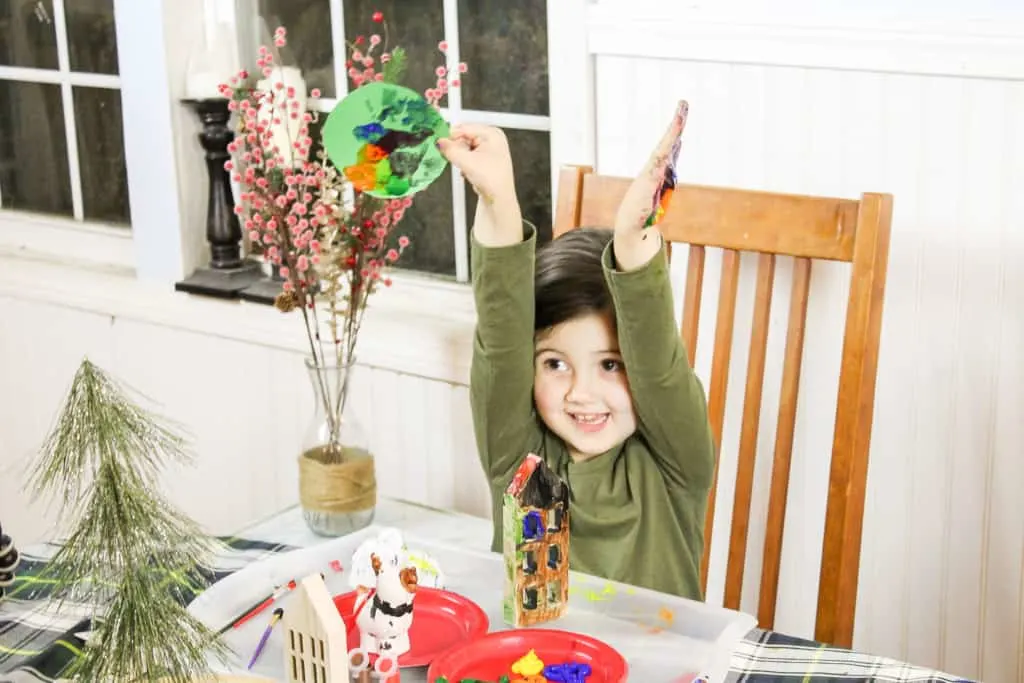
(662, 637)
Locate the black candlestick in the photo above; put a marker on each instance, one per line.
(228, 273)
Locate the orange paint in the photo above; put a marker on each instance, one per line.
(371, 153)
(362, 176)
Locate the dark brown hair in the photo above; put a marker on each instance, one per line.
(568, 277)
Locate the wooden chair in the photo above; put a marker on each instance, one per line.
(855, 231)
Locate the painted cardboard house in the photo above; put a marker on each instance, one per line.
(535, 530)
(315, 644)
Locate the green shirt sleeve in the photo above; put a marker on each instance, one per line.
(668, 396)
(501, 372)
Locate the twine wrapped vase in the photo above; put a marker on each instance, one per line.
(337, 474)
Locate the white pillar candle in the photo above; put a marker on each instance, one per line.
(278, 105)
(203, 85)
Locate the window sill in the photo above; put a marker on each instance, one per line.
(419, 326)
(48, 237)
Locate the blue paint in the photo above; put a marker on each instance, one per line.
(569, 672)
(370, 132)
(533, 526)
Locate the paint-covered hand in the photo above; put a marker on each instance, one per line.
(635, 244)
(482, 155)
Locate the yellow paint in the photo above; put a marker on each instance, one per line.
(594, 596)
(528, 665)
(608, 589)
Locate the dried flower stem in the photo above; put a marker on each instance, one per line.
(332, 242)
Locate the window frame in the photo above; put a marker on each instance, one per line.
(163, 173)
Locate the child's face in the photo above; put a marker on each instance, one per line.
(580, 386)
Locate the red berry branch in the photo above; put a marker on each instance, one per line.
(333, 244)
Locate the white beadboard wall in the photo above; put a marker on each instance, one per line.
(936, 122)
(232, 376)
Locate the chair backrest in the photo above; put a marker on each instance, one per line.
(807, 228)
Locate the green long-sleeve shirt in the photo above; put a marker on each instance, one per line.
(637, 511)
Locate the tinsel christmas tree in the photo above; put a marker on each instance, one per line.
(127, 549)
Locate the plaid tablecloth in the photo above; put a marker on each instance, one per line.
(37, 643)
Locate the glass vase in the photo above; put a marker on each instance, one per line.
(337, 477)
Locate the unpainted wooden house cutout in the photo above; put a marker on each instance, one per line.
(535, 530)
(315, 643)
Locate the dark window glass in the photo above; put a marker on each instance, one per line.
(100, 133)
(27, 35)
(92, 39)
(505, 45)
(33, 149)
(308, 26)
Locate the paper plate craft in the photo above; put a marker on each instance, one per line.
(442, 620)
(539, 655)
(388, 545)
(535, 531)
(383, 137)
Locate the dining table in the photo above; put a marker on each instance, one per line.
(41, 636)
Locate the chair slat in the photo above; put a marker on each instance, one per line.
(746, 220)
(720, 381)
(844, 513)
(793, 358)
(748, 432)
(691, 301)
(569, 199)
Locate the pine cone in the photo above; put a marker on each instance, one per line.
(9, 558)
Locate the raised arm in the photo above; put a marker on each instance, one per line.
(501, 374)
(669, 398)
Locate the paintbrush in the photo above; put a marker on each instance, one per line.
(276, 617)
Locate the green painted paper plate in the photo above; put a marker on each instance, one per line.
(383, 137)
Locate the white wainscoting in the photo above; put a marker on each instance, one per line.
(934, 118)
(232, 375)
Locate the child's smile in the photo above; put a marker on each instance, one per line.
(580, 386)
(590, 423)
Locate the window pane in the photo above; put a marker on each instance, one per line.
(531, 156)
(505, 45)
(101, 154)
(33, 149)
(429, 226)
(308, 23)
(27, 37)
(416, 25)
(92, 41)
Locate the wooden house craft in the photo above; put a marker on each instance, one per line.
(535, 531)
(315, 644)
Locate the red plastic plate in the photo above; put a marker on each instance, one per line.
(491, 656)
(441, 620)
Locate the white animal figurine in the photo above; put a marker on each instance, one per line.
(387, 545)
(385, 614)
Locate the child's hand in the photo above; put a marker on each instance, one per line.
(633, 248)
(481, 153)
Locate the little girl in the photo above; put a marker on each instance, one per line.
(577, 358)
